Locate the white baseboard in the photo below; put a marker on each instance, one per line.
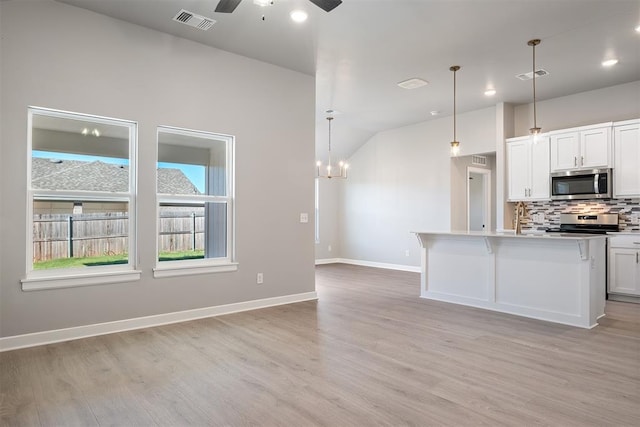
(327, 261)
(400, 267)
(49, 337)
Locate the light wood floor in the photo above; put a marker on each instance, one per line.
(369, 352)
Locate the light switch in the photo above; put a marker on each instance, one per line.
(304, 217)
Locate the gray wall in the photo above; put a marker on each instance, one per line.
(400, 181)
(76, 60)
(621, 102)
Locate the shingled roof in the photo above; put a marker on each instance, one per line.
(50, 174)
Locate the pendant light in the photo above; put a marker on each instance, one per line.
(535, 130)
(329, 171)
(455, 144)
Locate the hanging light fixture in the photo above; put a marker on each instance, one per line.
(455, 144)
(535, 130)
(329, 171)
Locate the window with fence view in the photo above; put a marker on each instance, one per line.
(194, 195)
(82, 187)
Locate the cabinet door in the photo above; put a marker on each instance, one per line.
(624, 273)
(518, 169)
(595, 148)
(539, 186)
(626, 149)
(565, 151)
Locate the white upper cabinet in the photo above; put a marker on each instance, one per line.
(581, 148)
(626, 142)
(528, 168)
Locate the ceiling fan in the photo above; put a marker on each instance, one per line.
(228, 6)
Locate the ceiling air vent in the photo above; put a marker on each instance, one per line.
(193, 20)
(528, 76)
(479, 160)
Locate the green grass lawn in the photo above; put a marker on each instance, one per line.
(110, 259)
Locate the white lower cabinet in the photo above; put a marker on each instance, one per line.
(624, 265)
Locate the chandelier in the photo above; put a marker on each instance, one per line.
(329, 171)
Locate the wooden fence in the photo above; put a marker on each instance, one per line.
(96, 234)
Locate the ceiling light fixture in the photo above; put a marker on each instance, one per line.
(490, 92)
(342, 171)
(262, 3)
(637, 28)
(609, 62)
(535, 130)
(435, 113)
(298, 15)
(413, 83)
(455, 144)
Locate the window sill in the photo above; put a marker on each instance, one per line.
(174, 270)
(36, 282)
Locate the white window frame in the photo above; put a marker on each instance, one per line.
(205, 265)
(98, 275)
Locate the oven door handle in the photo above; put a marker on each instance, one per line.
(596, 187)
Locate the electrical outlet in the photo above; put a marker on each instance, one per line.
(259, 279)
(304, 217)
(406, 253)
(329, 248)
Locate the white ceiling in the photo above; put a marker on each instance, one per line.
(363, 48)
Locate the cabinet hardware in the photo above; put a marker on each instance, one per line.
(636, 243)
(581, 160)
(575, 161)
(637, 257)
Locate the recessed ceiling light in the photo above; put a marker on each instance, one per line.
(490, 92)
(637, 29)
(435, 113)
(413, 83)
(298, 15)
(609, 62)
(262, 3)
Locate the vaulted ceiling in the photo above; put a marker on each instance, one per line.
(360, 51)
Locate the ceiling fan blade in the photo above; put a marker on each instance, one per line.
(326, 5)
(227, 6)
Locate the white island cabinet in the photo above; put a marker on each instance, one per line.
(551, 277)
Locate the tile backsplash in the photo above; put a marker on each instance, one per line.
(628, 209)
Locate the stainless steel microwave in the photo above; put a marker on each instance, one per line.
(581, 184)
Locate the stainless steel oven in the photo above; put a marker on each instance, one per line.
(581, 184)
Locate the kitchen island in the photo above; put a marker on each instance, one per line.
(554, 277)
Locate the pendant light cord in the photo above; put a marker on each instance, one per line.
(330, 119)
(454, 105)
(454, 68)
(535, 124)
(535, 129)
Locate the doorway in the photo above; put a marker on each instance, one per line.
(478, 199)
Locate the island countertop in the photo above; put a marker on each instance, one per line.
(525, 234)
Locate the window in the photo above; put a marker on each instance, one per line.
(81, 185)
(195, 202)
